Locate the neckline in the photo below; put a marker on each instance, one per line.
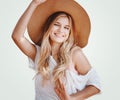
(53, 60)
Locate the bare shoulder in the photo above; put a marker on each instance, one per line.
(76, 52)
(80, 61)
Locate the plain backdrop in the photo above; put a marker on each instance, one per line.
(102, 50)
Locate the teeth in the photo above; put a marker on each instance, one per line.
(58, 35)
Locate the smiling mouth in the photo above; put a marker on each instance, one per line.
(60, 36)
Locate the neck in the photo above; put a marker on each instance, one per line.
(55, 48)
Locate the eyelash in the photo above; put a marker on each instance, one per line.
(59, 25)
(56, 24)
(67, 28)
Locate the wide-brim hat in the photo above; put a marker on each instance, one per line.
(42, 12)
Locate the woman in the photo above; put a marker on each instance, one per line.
(62, 70)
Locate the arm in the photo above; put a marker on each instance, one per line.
(18, 33)
(85, 93)
(81, 95)
(82, 66)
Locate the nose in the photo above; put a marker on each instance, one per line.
(61, 29)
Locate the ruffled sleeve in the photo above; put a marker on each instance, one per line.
(76, 82)
(93, 79)
(33, 64)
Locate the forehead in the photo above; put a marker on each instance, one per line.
(63, 19)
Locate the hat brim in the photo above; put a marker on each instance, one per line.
(42, 12)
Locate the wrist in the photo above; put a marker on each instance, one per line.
(35, 4)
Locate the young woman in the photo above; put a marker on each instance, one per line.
(62, 70)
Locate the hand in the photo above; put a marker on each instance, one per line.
(61, 91)
(38, 1)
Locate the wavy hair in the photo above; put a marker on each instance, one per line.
(63, 54)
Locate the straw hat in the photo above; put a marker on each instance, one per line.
(77, 12)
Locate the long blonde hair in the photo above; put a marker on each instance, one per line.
(63, 54)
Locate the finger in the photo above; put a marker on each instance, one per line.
(58, 84)
(61, 84)
(60, 90)
(59, 94)
(63, 91)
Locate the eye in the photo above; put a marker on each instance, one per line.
(67, 28)
(56, 24)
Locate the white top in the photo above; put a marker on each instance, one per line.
(74, 81)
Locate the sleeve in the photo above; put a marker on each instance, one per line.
(33, 64)
(94, 79)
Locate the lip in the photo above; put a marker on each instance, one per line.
(58, 35)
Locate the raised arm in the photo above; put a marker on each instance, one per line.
(18, 33)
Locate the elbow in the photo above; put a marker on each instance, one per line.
(98, 91)
(18, 39)
(14, 37)
(94, 90)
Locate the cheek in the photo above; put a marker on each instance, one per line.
(67, 33)
(53, 28)
(50, 35)
(67, 36)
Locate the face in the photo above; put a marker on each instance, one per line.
(60, 30)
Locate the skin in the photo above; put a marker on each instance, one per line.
(59, 33)
(60, 30)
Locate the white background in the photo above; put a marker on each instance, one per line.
(102, 50)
